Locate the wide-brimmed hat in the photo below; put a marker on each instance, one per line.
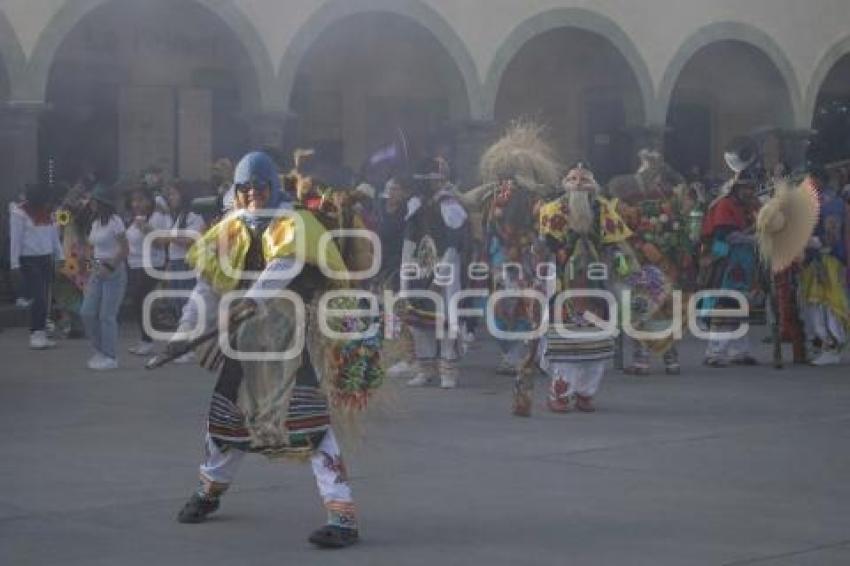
(741, 153)
(786, 222)
(104, 194)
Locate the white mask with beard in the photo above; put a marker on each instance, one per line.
(581, 190)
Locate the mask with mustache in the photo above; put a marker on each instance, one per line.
(581, 190)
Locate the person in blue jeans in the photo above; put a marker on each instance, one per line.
(105, 289)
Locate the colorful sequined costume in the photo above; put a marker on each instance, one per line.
(656, 205)
(433, 262)
(729, 262)
(280, 407)
(584, 241)
(514, 253)
(73, 221)
(519, 171)
(824, 280)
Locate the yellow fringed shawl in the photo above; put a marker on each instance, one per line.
(555, 221)
(822, 283)
(219, 256)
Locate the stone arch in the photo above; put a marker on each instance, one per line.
(12, 58)
(566, 18)
(720, 32)
(334, 11)
(826, 63)
(72, 12)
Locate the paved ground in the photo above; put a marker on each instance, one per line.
(715, 467)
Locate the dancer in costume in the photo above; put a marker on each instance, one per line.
(784, 228)
(586, 235)
(824, 276)
(393, 209)
(656, 204)
(277, 408)
(433, 260)
(519, 171)
(728, 262)
(337, 208)
(74, 220)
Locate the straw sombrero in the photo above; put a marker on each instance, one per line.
(786, 223)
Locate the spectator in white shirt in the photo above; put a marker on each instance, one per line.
(108, 281)
(35, 248)
(144, 218)
(186, 222)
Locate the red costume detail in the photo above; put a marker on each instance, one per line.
(728, 212)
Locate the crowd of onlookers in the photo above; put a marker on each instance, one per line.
(77, 257)
(92, 240)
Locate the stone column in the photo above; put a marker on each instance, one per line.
(472, 137)
(18, 146)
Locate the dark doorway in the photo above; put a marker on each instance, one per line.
(688, 143)
(609, 147)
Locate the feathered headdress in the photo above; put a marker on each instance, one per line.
(786, 223)
(522, 154)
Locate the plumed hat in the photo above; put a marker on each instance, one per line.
(524, 155)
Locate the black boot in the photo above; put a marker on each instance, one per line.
(198, 508)
(333, 536)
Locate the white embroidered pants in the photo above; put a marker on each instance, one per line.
(576, 378)
(823, 323)
(220, 467)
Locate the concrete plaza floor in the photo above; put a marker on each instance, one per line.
(714, 467)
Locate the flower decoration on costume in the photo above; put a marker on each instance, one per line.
(63, 217)
(356, 364)
(335, 465)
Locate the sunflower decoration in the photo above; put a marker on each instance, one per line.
(74, 267)
(554, 219)
(614, 228)
(63, 217)
(71, 267)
